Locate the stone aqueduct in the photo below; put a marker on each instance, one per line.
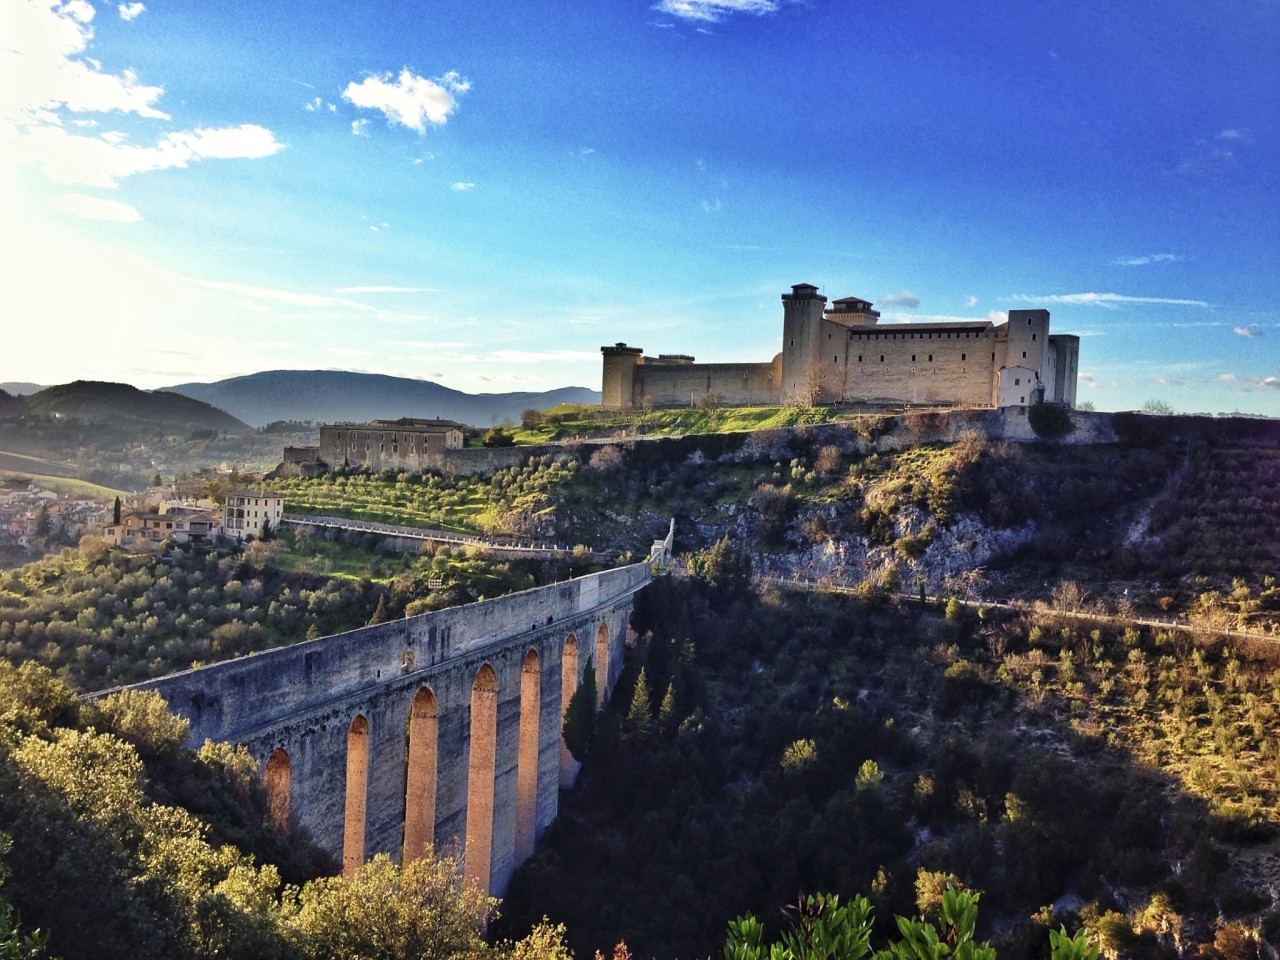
(441, 731)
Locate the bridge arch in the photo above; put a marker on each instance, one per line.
(527, 758)
(357, 795)
(422, 748)
(568, 685)
(481, 769)
(276, 777)
(602, 664)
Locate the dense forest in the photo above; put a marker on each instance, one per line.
(767, 745)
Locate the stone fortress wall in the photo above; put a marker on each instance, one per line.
(845, 355)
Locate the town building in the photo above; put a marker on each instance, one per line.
(406, 444)
(251, 513)
(844, 354)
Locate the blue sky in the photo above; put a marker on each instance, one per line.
(482, 194)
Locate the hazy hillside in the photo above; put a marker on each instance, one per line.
(20, 388)
(334, 395)
(120, 403)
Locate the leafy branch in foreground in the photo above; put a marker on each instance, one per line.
(825, 929)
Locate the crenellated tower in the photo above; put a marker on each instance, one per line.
(802, 311)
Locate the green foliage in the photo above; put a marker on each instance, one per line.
(823, 929)
(386, 912)
(580, 716)
(1050, 420)
(14, 944)
(1065, 947)
(639, 721)
(723, 566)
(141, 718)
(498, 437)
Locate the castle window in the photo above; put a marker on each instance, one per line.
(1028, 321)
(1017, 381)
(859, 358)
(962, 357)
(882, 358)
(833, 358)
(993, 356)
(793, 343)
(1022, 399)
(913, 358)
(1024, 354)
(1033, 338)
(931, 358)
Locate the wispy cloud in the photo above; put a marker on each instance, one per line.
(374, 289)
(409, 100)
(462, 185)
(1109, 300)
(1249, 332)
(971, 301)
(712, 206)
(130, 11)
(903, 298)
(104, 160)
(1146, 260)
(1214, 155)
(1267, 383)
(713, 11)
(95, 208)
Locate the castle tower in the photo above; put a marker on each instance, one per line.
(802, 311)
(617, 390)
(1023, 379)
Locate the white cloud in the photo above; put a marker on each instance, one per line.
(102, 161)
(1226, 378)
(1108, 300)
(47, 76)
(903, 298)
(1243, 136)
(462, 185)
(410, 100)
(131, 11)
(712, 11)
(712, 206)
(1245, 332)
(95, 208)
(358, 128)
(971, 301)
(42, 70)
(1146, 260)
(1270, 383)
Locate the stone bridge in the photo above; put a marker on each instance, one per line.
(440, 731)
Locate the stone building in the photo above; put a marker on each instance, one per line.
(843, 354)
(405, 444)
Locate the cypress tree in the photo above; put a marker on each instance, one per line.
(580, 715)
(115, 513)
(667, 711)
(640, 715)
(380, 614)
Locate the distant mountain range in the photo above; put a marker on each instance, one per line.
(20, 389)
(123, 405)
(334, 396)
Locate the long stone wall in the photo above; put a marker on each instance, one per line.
(329, 720)
(680, 384)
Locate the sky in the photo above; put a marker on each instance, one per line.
(483, 193)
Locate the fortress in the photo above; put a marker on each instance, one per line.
(845, 355)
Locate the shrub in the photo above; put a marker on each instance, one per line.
(1050, 420)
